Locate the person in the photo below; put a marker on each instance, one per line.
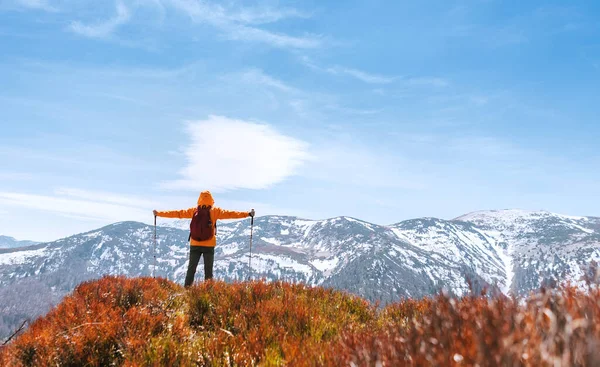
(203, 247)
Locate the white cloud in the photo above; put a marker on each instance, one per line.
(245, 33)
(89, 209)
(218, 14)
(240, 24)
(106, 28)
(36, 4)
(226, 154)
(234, 21)
(355, 73)
(428, 81)
(257, 76)
(106, 197)
(15, 176)
(372, 78)
(353, 111)
(265, 15)
(361, 75)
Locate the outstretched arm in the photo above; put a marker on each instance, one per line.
(185, 213)
(231, 214)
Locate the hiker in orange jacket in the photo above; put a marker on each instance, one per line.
(207, 247)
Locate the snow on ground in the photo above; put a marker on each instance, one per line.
(325, 265)
(177, 250)
(506, 256)
(306, 225)
(368, 225)
(230, 249)
(588, 231)
(508, 215)
(272, 241)
(93, 234)
(20, 257)
(264, 263)
(176, 223)
(401, 235)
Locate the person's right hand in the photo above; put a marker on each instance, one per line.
(155, 212)
(252, 213)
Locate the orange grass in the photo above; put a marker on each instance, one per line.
(115, 321)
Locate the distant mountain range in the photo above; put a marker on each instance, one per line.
(506, 251)
(9, 242)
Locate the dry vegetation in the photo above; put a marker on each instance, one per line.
(116, 321)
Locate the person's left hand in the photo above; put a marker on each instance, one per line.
(252, 213)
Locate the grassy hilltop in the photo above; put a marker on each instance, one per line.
(115, 321)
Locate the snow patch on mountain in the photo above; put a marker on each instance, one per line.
(21, 257)
(269, 263)
(325, 265)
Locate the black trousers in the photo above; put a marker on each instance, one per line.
(195, 253)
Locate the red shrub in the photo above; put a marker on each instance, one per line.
(154, 322)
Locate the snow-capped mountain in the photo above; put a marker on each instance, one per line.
(10, 242)
(506, 251)
(541, 247)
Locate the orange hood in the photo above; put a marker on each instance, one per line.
(206, 199)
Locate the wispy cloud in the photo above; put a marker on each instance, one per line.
(353, 111)
(361, 75)
(245, 33)
(106, 28)
(263, 15)
(15, 176)
(34, 4)
(427, 81)
(257, 76)
(234, 21)
(212, 12)
(105, 197)
(372, 78)
(88, 209)
(206, 11)
(226, 154)
(242, 24)
(355, 73)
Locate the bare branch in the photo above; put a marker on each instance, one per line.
(15, 333)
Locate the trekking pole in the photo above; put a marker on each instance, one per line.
(250, 259)
(154, 249)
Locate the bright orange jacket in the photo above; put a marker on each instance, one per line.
(215, 214)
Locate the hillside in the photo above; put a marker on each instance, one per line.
(507, 251)
(144, 321)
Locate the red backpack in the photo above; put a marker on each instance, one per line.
(201, 227)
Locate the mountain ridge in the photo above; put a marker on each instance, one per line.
(7, 242)
(412, 258)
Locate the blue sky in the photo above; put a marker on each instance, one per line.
(381, 110)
